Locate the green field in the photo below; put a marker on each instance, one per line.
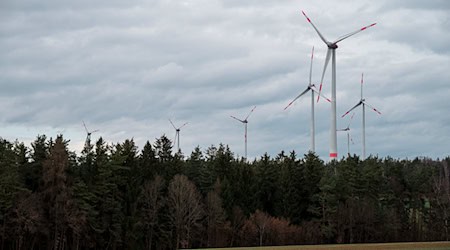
(379, 246)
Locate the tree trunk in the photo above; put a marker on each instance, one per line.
(261, 234)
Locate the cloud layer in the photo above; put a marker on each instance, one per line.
(127, 67)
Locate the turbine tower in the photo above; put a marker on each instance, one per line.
(245, 122)
(364, 104)
(347, 129)
(313, 89)
(88, 136)
(177, 134)
(332, 46)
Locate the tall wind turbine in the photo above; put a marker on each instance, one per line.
(88, 135)
(177, 134)
(313, 89)
(332, 46)
(364, 104)
(347, 129)
(245, 122)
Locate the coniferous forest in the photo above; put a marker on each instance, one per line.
(116, 196)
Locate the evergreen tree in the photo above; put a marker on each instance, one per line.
(266, 184)
(148, 166)
(33, 173)
(107, 225)
(10, 183)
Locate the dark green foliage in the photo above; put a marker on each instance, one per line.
(148, 165)
(117, 197)
(266, 184)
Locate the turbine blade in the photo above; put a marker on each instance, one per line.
(352, 33)
(172, 124)
(183, 125)
(359, 103)
(362, 81)
(237, 118)
(87, 131)
(310, 67)
(351, 119)
(95, 131)
(374, 109)
(317, 92)
(295, 99)
(327, 60)
(318, 32)
(251, 111)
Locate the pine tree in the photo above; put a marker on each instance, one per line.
(148, 166)
(10, 184)
(266, 184)
(107, 225)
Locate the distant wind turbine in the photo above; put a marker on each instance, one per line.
(347, 129)
(363, 102)
(332, 46)
(313, 89)
(88, 135)
(245, 122)
(177, 134)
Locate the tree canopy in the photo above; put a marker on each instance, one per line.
(119, 197)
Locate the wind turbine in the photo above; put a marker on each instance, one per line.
(347, 129)
(245, 122)
(88, 136)
(364, 104)
(177, 134)
(313, 89)
(332, 46)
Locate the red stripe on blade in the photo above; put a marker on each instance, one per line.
(307, 18)
(333, 155)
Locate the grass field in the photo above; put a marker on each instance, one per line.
(379, 246)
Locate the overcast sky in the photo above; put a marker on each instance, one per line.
(126, 67)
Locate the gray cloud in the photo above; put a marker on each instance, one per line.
(127, 67)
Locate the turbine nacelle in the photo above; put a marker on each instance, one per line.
(332, 45)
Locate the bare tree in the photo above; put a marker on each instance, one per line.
(185, 209)
(217, 226)
(64, 218)
(261, 221)
(27, 220)
(152, 201)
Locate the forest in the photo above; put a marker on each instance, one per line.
(116, 196)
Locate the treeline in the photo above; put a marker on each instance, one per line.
(120, 197)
